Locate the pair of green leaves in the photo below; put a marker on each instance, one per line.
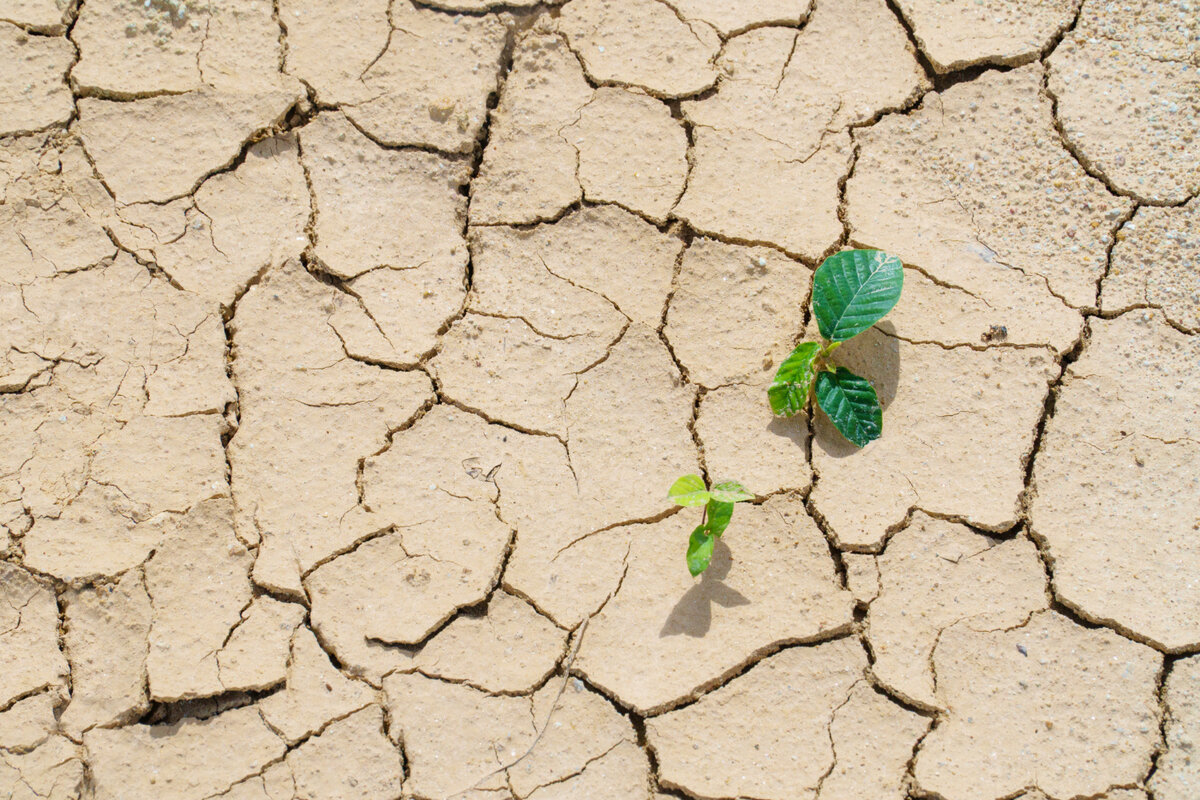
(718, 510)
(852, 291)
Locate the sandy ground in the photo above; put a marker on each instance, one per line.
(348, 351)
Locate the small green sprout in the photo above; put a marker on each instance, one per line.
(852, 291)
(718, 510)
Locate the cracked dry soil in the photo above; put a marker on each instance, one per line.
(347, 351)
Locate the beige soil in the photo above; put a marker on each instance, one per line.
(347, 351)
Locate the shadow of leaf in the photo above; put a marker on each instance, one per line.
(692, 615)
(875, 355)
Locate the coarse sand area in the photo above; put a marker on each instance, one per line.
(348, 349)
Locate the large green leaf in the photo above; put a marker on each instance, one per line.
(793, 381)
(700, 550)
(689, 491)
(730, 492)
(853, 290)
(851, 404)
(718, 514)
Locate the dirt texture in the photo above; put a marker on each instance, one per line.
(348, 351)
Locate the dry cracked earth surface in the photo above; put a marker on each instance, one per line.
(347, 351)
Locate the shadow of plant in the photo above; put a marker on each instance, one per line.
(875, 355)
(692, 615)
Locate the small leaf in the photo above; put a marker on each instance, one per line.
(689, 491)
(700, 550)
(851, 404)
(730, 492)
(789, 392)
(853, 290)
(718, 516)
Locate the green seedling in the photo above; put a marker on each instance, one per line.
(851, 292)
(718, 510)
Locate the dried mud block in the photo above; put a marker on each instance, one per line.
(43, 16)
(873, 741)
(188, 760)
(606, 251)
(330, 45)
(748, 188)
(666, 637)
(802, 742)
(96, 536)
(1112, 794)
(955, 34)
(631, 152)
(161, 147)
(30, 658)
(798, 87)
(163, 463)
(744, 441)
(397, 597)
(33, 90)
(27, 723)
(198, 584)
(279, 786)
(862, 576)
(769, 146)
(760, 294)
(736, 312)
(401, 313)
(1004, 309)
(445, 542)
(628, 437)
(134, 344)
(117, 343)
(129, 50)
(516, 272)
(106, 640)
(729, 18)
(551, 492)
(1177, 776)
(431, 85)
(238, 224)
(528, 173)
(321, 767)
(975, 189)
(619, 774)
(482, 5)
(1156, 262)
(633, 402)
(939, 404)
(642, 43)
(1115, 484)
(1126, 80)
(505, 369)
(509, 648)
(52, 209)
(51, 771)
(356, 183)
(255, 654)
(458, 739)
(425, 80)
(548, 304)
(308, 414)
(935, 575)
(577, 726)
(315, 692)
(1039, 705)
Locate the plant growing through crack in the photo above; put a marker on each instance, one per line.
(852, 291)
(718, 510)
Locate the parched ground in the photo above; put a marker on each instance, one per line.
(348, 349)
